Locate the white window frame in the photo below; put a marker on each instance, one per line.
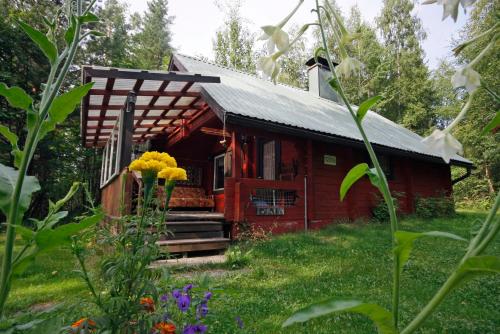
(215, 169)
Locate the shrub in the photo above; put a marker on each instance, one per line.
(380, 211)
(236, 258)
(439, 206)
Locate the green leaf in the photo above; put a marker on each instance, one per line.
(366, 105)
(481, 264)
(47, 47)
(97, 33)
(405, 240)
(89, 17)
(62, 106)
(70, 33)
(8, 179)
(25, 233)
(352, 176)
(494, 123)
(16, 96)
(19, 267)
(13, 139)
(318, 52)
(380, 316)
(50, 238)
(55, 218)
(334, 84)
(374, 178)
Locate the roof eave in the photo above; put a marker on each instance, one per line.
(240, 120)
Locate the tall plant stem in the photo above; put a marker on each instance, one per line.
(456, 276)
(29, 150)
(384, 187)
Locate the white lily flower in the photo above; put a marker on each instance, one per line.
(442, 143)
(269, 66)
(275, 36)
(348, 66)
(450, 7)
(466, 77)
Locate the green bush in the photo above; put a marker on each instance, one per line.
(236, 258)
(431, 207)
(380, 212)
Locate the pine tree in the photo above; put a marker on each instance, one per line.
(403, 77)
(153, 41)
(233, 44)
(113, 49)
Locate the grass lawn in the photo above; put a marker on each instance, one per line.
(290, 271)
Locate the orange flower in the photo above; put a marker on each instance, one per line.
(165, 328)
(148, 304)
(89, 323)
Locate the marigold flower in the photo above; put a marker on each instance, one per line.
(173, 174)
(148, 304)
(89, 323)
(165, 328)
(162, 157)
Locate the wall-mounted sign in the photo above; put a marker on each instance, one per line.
(330, 160)
(270, 211)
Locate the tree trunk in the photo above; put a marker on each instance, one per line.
(489, 179)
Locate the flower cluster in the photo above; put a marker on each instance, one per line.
(83, 325)
(180, 306)
(161, 165)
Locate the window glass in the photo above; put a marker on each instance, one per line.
(219, 172)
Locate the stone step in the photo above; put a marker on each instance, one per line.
(192, 245)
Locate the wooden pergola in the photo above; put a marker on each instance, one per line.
(161, 101)
(128, 106)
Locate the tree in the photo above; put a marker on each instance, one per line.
(113, 49)
(484, 150)
(153, 41)
(403, 77)
(233, 44)
(293, 70)
(368, 50)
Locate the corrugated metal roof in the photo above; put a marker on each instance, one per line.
(248, 95)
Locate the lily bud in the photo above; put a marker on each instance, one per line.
(466, 77)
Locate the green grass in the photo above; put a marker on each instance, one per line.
(290, 271)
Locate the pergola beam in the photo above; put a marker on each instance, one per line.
(145, 75)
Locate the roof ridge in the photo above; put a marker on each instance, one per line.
(206, 61)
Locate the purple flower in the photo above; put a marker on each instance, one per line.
(176, 294)
(183, 303)
(193, 329)
(239, 322)
(202, 310)
(164, 298)
(188, 287)
(208, 295)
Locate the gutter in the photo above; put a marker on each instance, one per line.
(468, 173)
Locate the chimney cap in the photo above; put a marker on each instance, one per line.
(321, 61)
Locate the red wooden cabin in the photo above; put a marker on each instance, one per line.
(271, 156)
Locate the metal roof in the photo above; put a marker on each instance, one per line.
(164, 101)
(249, 96)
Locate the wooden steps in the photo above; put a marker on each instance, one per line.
(194, 232)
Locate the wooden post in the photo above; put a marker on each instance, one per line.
(310, 181)
(126, 131)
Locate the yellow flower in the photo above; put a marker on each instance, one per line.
(163, 157)
(155, 165)
(173, 174)
(137, 165)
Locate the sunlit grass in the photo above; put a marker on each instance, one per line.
(290, 271)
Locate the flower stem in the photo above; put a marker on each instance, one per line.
(384, 187)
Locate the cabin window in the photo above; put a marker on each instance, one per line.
(386, 165)
(219, 172)
(269, 159)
